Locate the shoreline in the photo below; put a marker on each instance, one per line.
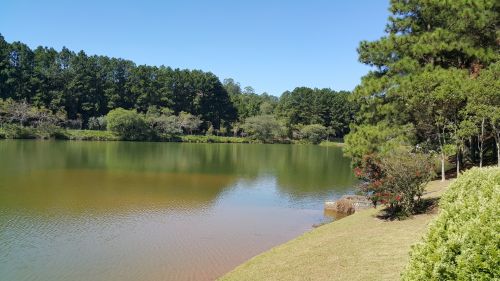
(357, 247)
(95, 135)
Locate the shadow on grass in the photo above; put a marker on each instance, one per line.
(424, 206)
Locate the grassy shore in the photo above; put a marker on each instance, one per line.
(358, 247)
(332, 143)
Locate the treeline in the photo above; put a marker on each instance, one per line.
(433, 93)
(85, 89)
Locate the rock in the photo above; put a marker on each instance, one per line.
(348, 204)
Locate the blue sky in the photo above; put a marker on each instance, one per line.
(272, 46)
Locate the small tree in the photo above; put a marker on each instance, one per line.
(128, 124)
(314, 133)
(189, 122)
(396, 180)
(97, 123)
(406, 175)
(263, 127)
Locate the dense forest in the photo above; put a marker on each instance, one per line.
(78, 90)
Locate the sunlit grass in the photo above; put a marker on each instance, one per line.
(358, 247)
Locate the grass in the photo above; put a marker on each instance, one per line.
(331, 144)
(213, 139)
(358, 247)
(91, 135)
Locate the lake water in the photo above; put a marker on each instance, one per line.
(156, 211)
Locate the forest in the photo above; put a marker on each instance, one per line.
(44, 88)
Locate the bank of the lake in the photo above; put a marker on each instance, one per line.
(358, 247)
(97, 135)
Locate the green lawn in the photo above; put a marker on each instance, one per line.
(358, 247)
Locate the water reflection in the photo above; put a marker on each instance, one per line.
(150, 211)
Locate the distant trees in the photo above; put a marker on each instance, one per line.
(92, 91)
(127, 123)
(265, 128)
(90, 86)
(306, 106)
(314, 133)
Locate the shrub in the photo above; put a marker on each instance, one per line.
(128, 124)
(97, 123)
(89, 135)
(163, 126)
(13, 131)
(314, 133)
(396, 180)
(189, 122)
(264, 128)
(462, 242)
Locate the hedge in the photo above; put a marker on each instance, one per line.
(463, 241)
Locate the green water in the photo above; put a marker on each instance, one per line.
(156, 211)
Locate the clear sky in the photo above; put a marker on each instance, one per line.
(272, 46)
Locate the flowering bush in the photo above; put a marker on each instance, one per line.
(396, 180)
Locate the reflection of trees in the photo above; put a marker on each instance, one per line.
(101, 190)
(114, 173)
(313, 169)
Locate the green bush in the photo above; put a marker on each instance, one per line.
(264, 128)
(90, 135)
(463, 242)
(314, 133)
(19, 132)
(128, 124)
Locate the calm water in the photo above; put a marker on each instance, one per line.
(155, 211)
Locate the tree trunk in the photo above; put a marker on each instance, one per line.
(496, 134)
(443, 178)
(498, 153)
(458, 162)
(481, 143)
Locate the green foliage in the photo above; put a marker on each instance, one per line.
(97, 123)
(380, 138)
(405, 177)
(212, 139)
(89, 86)
(188, 122)
(314, 133)
(397, 180)
(462, 243)
(317, 106)
(93, 135)
(162, 124)
(264, 128)
(128, 124)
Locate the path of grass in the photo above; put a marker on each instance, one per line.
(358, 247)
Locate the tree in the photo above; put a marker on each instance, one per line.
(189, 122)
(434, 99)
(420, 66)
(484, 106)
(376, 139)
(396, 179)
(308, 106)
(264, 128)
(314, 133)
(127, 124)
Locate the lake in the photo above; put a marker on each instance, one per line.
(156, 211)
